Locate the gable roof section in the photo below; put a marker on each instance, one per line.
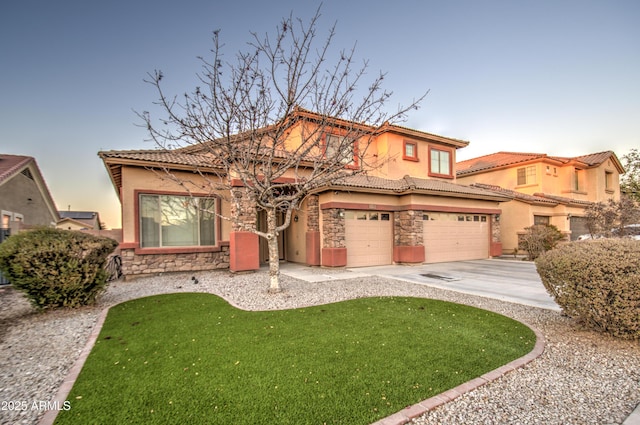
(11, 165)
(500, 160)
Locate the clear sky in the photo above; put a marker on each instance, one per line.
(560, 77)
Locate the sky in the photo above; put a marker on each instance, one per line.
(560, 77)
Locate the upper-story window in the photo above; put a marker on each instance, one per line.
(341, 148)
(527, 175)
(440, 162)
(576, 179)
(410, 151)
(177, 221)
(608, 181)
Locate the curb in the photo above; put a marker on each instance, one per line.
(61, 396)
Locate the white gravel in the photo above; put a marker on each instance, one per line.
(581, 378)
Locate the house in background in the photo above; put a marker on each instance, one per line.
(25, 200)
(409, 210)
(79, 220)
(544, 189)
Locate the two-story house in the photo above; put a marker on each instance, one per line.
(544, 189)
(409, 209)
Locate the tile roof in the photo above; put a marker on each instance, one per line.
(530, 199)
(169, 157)
(564, 200)
(414, 184)
(505, 159)
(11, 164)
(536, 198)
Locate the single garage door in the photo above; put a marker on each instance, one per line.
(368, 238)
(455, 237)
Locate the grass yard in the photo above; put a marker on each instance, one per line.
(193, 358)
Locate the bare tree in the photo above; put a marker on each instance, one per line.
(244, 113)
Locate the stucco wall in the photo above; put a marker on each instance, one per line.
(21, 195)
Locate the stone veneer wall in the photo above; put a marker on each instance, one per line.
(407, 228)
(495, 229)
(243, 210)
(313, 213)
(135, 264)
(333, 228)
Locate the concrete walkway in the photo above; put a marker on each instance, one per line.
(506, 280)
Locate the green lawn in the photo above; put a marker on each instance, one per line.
(194, 359)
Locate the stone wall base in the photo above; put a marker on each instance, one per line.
(135, 264)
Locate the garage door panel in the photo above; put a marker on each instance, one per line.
(368, 241)
(448, 239)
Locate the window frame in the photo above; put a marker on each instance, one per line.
(529, 178)
(139, 249)
(442, 149)
(354, 163)
(407, 157)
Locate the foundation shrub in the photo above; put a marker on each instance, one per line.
(540, 238)
(56, 268)
(596, 282)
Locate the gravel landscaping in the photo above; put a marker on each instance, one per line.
(581, 378)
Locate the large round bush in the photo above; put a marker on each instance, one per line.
(56, 268)
(596, 282)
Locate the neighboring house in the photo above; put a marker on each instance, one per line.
(409, 210)
(79, 220)
(25, 200)
(544, 189)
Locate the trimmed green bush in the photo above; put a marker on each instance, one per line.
(596, 282)
(56, 268)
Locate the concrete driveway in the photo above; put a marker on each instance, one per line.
(507, 280)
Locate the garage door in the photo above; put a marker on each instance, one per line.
(455, 237)
(368, 238)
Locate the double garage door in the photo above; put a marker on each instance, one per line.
(447, 237)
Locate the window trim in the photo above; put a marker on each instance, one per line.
(413, 157)
(173, 249)
(354, 164)
(441, 149)
(526, 175)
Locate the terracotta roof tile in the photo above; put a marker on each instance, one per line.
(530, 199)
(161, 157)
(563, 200)
(503, 159)
(11, 164)
(409, 183)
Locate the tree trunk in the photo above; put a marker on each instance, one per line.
(274, 254)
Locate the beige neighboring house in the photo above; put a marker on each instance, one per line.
(544, 189)
(25, 200)
(79, 220)
(410, 210)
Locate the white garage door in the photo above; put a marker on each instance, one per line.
(455, 237)
(368, 238)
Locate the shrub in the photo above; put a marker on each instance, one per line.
(540, 238)
(596, 282)
(56, 268)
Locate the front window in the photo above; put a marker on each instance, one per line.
(340, 149)
(527, 175)
(172, 221)
(608, 180)
(541, 220)
(440, 162)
